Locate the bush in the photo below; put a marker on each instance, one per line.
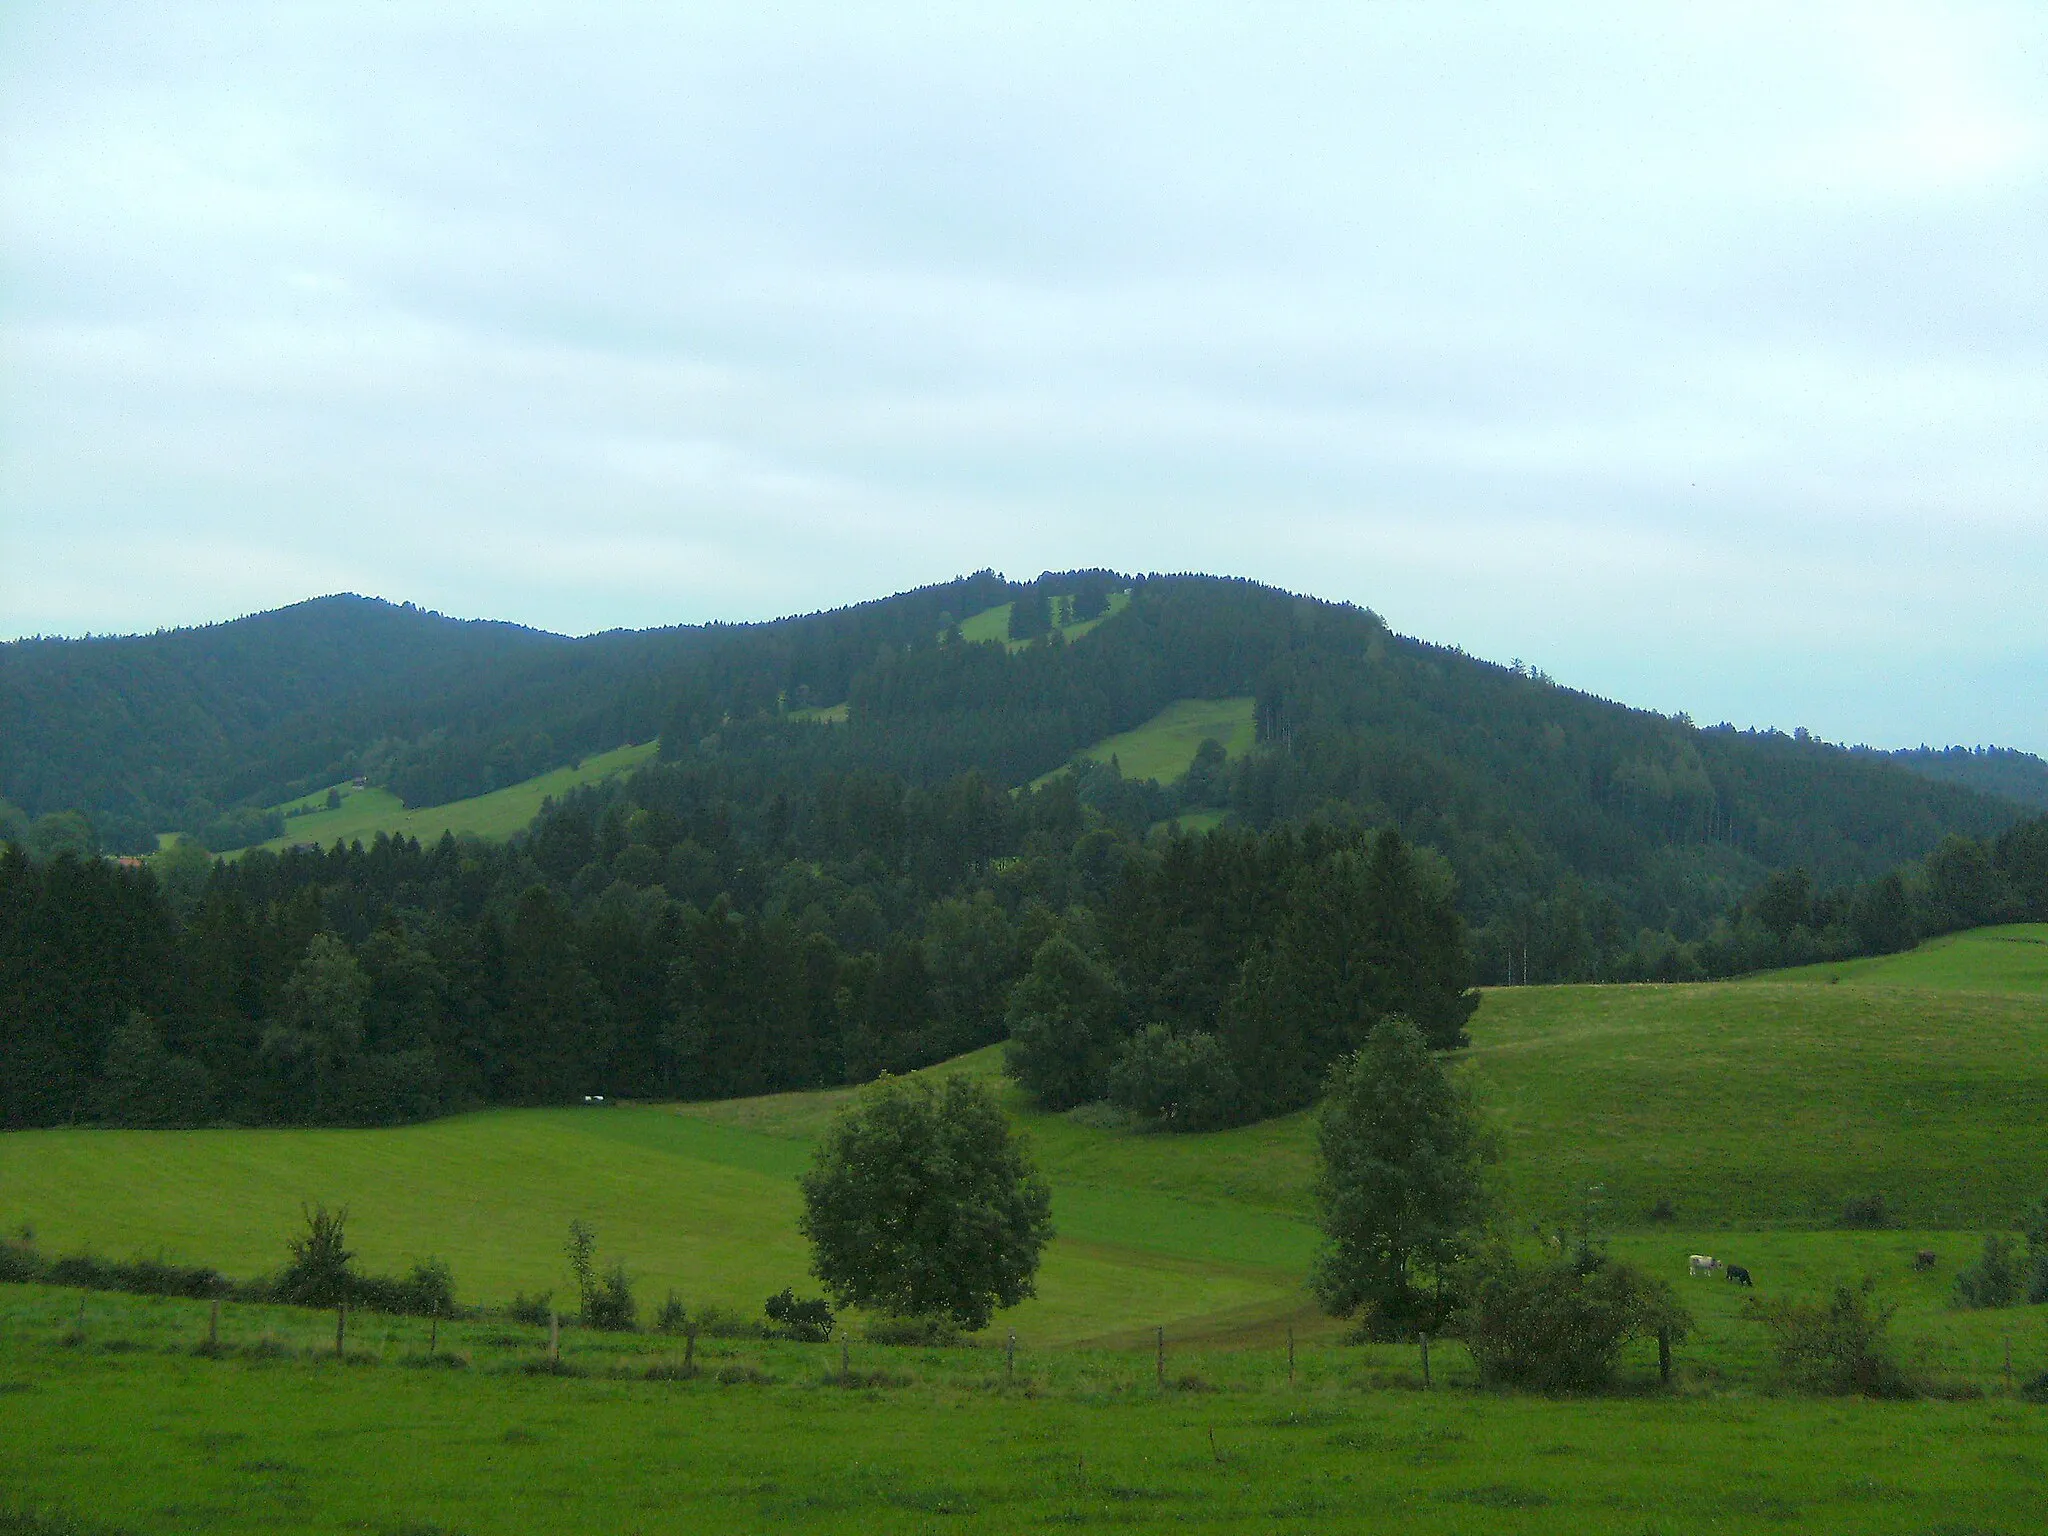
(805, 1322)
(2035, 1391)
(1184, 1082)
(319, 1273)
(535, 1310)
(1839, 1345)
(1869, 1212)
(19, 1262)
(609, 1303)
(140, 1277)
(673, 1317)
(1559, 1326)
(929, 1332)
(1997, 1279)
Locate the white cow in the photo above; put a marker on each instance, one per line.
(1704, 1264)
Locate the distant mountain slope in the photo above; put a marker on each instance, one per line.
(1570, 821)
(2015, 775)
(130, 729)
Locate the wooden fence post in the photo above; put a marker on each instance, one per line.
(2008, 1362)
(341, 1328)
(1010, 1358)
(1423, 1340)
(213, 1326)
(1160, 1356)
(554, 1337)
(1290, 1354)
(845, 1359)
(434, 1330)
(689, 1348)
(1664, 1356)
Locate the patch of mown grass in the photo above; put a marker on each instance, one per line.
(1164, 747)
(363, 813)
(993, 624)
(761, 1437)
(2011, 958)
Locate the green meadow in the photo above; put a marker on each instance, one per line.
(1164, 747)
(124, 1425)
(2012, 958)
(993, 624)
(1733, 1119)
(363, 813)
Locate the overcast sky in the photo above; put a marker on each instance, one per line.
(1701, 361)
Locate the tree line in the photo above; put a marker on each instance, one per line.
(653, 940)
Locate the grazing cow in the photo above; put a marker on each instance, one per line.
(1702, 1264)
(1926, 1258)
(1740, 1275)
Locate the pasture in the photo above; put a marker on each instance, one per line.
(1749, 1111)
(363, 813)
(2011, 958)
(1164, 747)
(125, 1424)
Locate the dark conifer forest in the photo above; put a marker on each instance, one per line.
(785, 901)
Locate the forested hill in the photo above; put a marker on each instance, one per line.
(1572, 823)
(2002, 771)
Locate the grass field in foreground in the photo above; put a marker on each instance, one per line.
(363, 813)
(2011, 958)
(130, 1429)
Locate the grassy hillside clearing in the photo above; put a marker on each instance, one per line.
(2012, 958)
(1747, 1105)
(993, 624)
(363, 813)
(1164, 747)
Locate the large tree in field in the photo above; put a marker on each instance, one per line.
(1398, 1188)
(921, 1204)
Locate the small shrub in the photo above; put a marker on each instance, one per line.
(440, 1359)
(318, 1274)
(20, 1264)
(1839, 1345)
(673, 1317)
(853, 1378)
(1868, 1212)
(670, 1370)
(743, 1376)
(609, 1303)
(1663, 1210)
(716, 1322)
(1559, 1326)
(932, 1332)
(804, 1322)
(552, 1365)
(535, 1310)
(1997, 1279)
(2036, 1390)
(430, 1289)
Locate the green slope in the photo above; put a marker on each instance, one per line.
(363, 813)
(1164, 747)
(993, 624)
(2012, 958)
(1747, 1105)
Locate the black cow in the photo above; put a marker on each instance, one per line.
(1740, 1276)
